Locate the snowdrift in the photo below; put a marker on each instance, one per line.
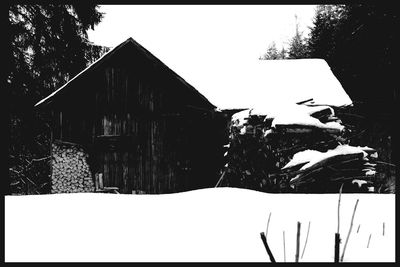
(210, 225)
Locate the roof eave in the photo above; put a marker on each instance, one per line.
(92, 66)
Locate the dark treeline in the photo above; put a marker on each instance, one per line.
(49, 44)
(359, 43)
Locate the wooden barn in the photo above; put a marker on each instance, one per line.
(140, 126)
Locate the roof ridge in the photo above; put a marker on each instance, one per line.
(112, 51)
(172, 71)
(84, 70)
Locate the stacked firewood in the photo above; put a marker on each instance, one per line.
(70, 169)
(301, 149)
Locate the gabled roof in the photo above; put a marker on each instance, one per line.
(108, 55)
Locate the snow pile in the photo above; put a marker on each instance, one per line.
(295, 148)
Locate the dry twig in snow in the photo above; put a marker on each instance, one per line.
(298, 242)
(348, 235)
(305, 244)
(264, 239)
(284, 247)
(338, 212)
(383, 230)
(337, 234)
(369, 239)
(266, 232)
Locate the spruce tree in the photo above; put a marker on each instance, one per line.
(48, 45)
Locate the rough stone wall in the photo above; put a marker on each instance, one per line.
(70, 169)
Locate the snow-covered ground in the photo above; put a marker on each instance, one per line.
(218, 224)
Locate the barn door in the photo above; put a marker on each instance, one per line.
(115, 157)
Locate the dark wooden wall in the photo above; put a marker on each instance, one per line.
(145, 131)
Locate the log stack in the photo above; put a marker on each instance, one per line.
(301, 149)
(311, 169)
(70, 169)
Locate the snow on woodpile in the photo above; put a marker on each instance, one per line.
(304, 122)
(313, 157)
(295, 148)
(309, 162)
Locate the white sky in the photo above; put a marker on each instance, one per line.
(208, 46)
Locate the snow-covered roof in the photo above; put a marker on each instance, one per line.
(261, 83)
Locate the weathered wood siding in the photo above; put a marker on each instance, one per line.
(145, 130)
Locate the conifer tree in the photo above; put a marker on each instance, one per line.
(48, 45)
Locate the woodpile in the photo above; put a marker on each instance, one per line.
(70, 169)
(301, 149)
(339, 165)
